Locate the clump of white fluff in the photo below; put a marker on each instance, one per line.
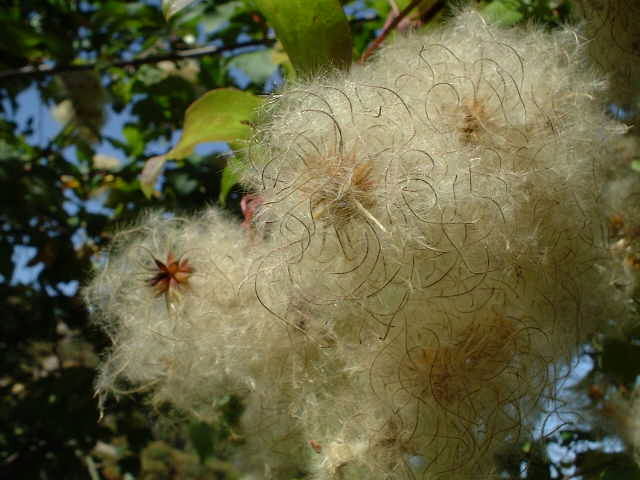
(205, 338)
(446, 197)
(163, 341)
(432, 248)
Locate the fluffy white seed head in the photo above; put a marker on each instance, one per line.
(447, 198)
(431, 246)
(159, 337)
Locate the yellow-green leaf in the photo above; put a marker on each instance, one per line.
(315, 34)
(152, 169)
(222, 115)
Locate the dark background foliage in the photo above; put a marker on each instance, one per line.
(119, 78)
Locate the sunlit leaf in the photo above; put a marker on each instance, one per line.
(171, 7)
(134, 138)
(222, 115)
(315, 34)
(101, 161)
(280, 57)
(150, 173)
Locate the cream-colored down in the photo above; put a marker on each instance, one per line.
(431, 247)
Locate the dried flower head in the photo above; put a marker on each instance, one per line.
(473, 360)
(172, 274)
(433, 245)
(342, 191)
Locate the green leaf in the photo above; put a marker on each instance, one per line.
(315, 34)
(223, 14)
(150, 75)
(171, 7)
(504, 12)
(134, 138)
(201, 435)
(183, 183)
(222, 115)
(230, 176)
(150, 173)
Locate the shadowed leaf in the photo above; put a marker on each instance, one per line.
(230, 177)
(201, 435)
(315, 35)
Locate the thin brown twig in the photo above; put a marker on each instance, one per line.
(32, 70)
(394, 23)
(38, 70)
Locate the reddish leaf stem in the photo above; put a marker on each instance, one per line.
(389, 28)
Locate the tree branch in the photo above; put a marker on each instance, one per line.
(34, 71)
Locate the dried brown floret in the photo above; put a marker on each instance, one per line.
(172, 274)
(616, 226)
(632, 262)
(346, 191)
(475, 119)
(470, 362)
